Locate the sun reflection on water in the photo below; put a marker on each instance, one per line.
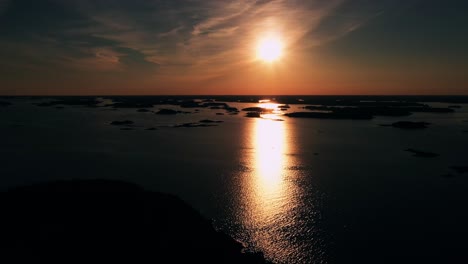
(268, 159)
(269, 194)
(276, 208)
(269, 143)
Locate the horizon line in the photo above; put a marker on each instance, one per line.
(188, 95)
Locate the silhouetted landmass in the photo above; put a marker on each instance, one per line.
(74, 101)
(215, 104)
(103, 221)
(256, 109)
(371, 108)
(151, 128)
(410, 125)
(422, 154)
(127, 128)
(455, 106)
(460, 169)
(253, 114)
(331, 115)
(380, 110)
(373, 111)
(210, 121)
(194, 125)
(325, 100)
(232, 110)
(368, 111)
(131, 105)
(166, 112)
(4, 103)
(142, 101)
(212, 105)
(122, 123)
(143, 110)
(348, 100)
(190, 104)
(182, 101)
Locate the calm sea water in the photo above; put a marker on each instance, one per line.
(299, 190)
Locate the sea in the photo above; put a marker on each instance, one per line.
(299, 190)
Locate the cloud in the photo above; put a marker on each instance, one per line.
(163, 39)
(172, 32)
(225, 39)
(347, 17)
(99, 59)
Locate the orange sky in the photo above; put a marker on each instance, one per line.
(210, 47)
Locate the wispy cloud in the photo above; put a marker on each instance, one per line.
(201, 40)
(98, 59)
(225, 39)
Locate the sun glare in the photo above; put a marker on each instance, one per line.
(269, 49)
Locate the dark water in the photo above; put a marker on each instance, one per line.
(300, 190)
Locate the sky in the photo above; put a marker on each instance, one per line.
(175, 47)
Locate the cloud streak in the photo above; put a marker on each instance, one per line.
(162, 40)
(198, 33)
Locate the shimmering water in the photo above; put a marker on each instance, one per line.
(299, 190)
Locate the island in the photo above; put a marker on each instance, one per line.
(108, 221)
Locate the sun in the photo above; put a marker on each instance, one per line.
(270, 49)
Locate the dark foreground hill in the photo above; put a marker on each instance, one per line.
(101, 221)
